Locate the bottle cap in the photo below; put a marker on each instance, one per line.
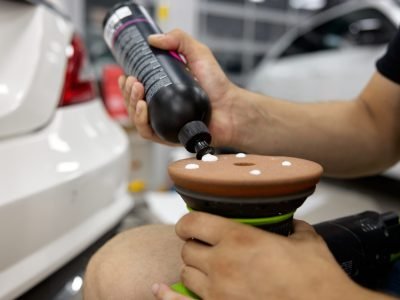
(196, 138)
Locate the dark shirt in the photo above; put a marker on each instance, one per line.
(389, 64)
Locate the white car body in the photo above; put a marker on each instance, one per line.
(323, 75)
(63, 170)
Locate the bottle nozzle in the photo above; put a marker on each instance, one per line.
(196, 138)
(202, 148)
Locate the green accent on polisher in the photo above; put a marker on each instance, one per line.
(181, 289)
(260, 221)
(265, 221)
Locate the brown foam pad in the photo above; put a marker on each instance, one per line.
(249, 176)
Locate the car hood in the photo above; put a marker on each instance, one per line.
(339, 74)
(32, 60)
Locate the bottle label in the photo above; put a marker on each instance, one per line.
(133, 52)
(139, 60)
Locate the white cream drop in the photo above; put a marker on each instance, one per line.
(255, 172)
(286, 163)
(240, 155)
(192, 166)
(209, 157)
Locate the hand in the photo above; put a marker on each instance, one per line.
(205, 68)
(227, 260)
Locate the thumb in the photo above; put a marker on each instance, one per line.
(180, 41)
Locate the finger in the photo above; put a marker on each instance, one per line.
(203, 227)
(195, 280)
(164, 292)
(182, 42)
(196, 254)
(142, 120)
(303, 230)
(131, 113)
(302, 226)
(128, 88)
(137, 93)
(121, 82)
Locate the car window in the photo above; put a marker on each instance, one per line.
(358, 28)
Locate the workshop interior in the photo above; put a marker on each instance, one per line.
(75, 171)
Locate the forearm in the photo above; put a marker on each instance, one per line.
(328, 133)
(346, 137)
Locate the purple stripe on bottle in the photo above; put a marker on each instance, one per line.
(126, 25)
(176, 56)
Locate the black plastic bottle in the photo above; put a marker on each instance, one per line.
(179, 109)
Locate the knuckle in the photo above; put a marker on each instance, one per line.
(191, 218)
(222, 267)
(144, 133)
(203, 48)
(177, 32)
(183, 227)
(235, 234)
(239, 234)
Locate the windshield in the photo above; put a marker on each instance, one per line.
(358, 28)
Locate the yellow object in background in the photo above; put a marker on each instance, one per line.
(163, 12)
(137, 186)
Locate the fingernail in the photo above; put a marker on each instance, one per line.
(155, 288)
(157, 36)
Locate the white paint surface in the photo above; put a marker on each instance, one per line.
(255, 172)
(192, 166)
(209, 157)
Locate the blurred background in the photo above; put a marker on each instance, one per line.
(242, 32)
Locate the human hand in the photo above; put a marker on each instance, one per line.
(228, 260)
(210, 76)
